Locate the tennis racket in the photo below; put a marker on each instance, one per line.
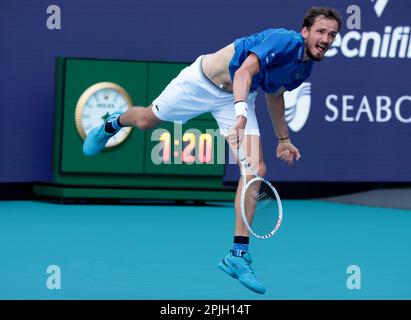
(261, 207)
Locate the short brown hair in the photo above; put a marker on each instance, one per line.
(328, 13)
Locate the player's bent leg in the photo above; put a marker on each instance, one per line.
(140, 117)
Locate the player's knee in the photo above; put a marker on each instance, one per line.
(262, 169)
(143, 123)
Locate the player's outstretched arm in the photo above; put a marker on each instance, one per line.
(241, 88)
(243, 77)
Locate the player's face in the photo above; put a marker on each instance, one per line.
(319, 37)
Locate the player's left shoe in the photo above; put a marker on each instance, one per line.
(240, 268)
(98, 137)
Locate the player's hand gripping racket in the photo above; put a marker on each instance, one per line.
(261, 207)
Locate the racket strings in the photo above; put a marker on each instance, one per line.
(261, 207)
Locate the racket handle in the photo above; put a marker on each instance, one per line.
(240, 151)
(244, 162)
(241, 154)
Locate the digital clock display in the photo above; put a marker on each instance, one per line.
(192, 146)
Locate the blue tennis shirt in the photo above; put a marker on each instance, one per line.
(280, 52)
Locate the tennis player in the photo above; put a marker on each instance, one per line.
(225, 83)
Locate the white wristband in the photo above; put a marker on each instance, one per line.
(241, 108)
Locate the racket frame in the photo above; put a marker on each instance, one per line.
(245, 164)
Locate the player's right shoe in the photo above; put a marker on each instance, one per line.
(98, 137)
(240, 268)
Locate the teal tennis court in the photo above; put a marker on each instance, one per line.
(171, 252)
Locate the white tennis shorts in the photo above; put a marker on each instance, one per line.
(191, 93)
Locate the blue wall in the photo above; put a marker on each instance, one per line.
(181, 30)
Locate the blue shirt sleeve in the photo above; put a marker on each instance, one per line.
(275, 48)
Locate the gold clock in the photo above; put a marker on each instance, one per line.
(96, 104)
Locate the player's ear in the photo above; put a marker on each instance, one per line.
(304, 32)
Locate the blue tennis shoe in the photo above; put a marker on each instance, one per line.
(97, 138)
(240, 268)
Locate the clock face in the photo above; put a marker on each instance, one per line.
(98, 103)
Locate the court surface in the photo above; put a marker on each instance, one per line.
(172, 252)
